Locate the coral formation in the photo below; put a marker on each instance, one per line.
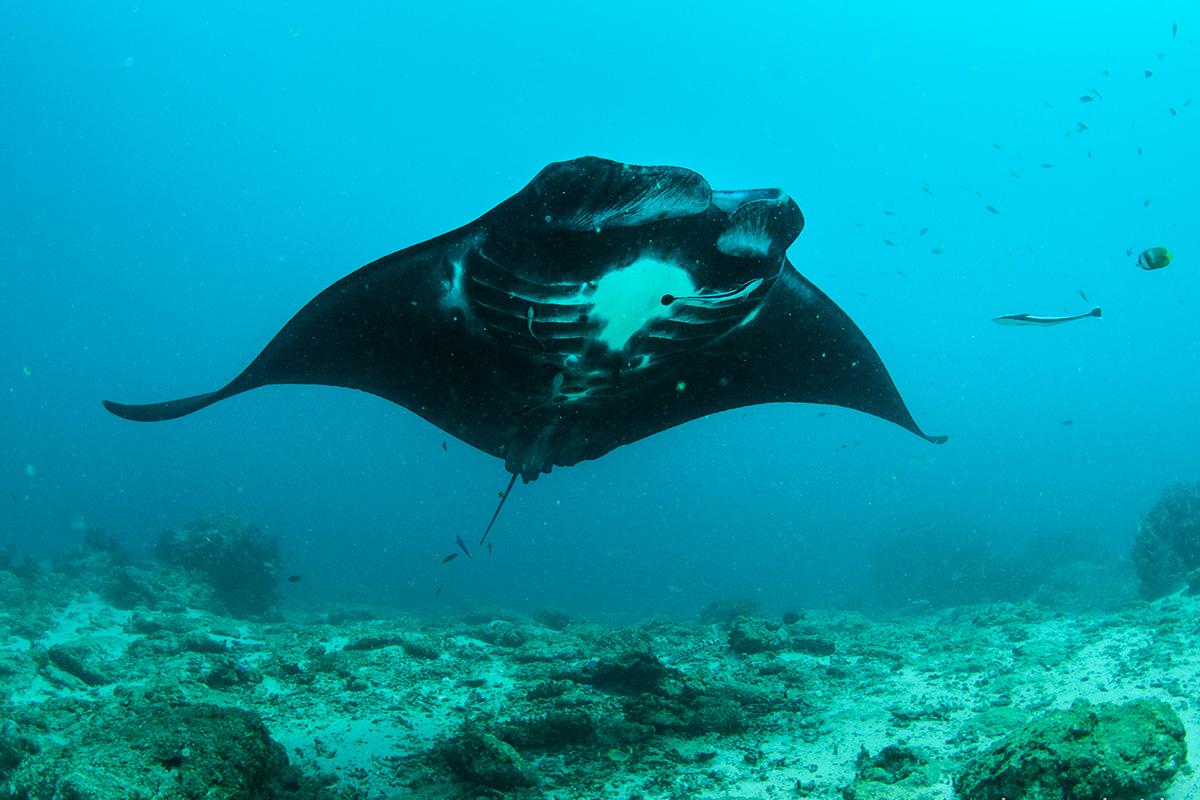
(480, 757)
(147, 744)
(892, 772)
(235, 558)
(755, 635)
(492, 702)
(726, 610)
(1166, 550)
(552, 618)
(1119, 752)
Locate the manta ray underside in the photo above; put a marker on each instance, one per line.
(601, 304)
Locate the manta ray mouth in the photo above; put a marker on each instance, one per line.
(626, 300)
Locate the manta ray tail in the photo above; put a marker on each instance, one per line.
(496, 513)
(157, 412)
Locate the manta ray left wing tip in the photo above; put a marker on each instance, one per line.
(157, 412)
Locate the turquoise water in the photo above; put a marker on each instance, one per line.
(178, 181)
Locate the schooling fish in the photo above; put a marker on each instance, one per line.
(449, 558)
(1033, 319)
(462, 546)
(1155, 258)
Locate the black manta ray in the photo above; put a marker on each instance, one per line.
(601, 304)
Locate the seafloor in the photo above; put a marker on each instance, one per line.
(119, 684)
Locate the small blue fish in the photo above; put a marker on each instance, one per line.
(462, 546)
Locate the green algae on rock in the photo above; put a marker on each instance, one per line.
(483, 758)
(149, 744)
(893, 772)
(756, 635)
(1119, 752)
(629, 673)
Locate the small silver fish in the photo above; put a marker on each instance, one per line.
(1034, 319)
(717, 299)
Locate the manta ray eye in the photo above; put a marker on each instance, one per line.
(667, 299)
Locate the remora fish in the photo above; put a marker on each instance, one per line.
(1034, 319)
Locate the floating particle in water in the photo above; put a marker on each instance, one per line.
(889, 242)
(1146, 203)
(26, 371)
(937, 251)
(1173, 112)
(1148, 73)
(1086, 98)
(128, 62)
(1047, 165)
(923, 231)
(30, 471)
(992, 209)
